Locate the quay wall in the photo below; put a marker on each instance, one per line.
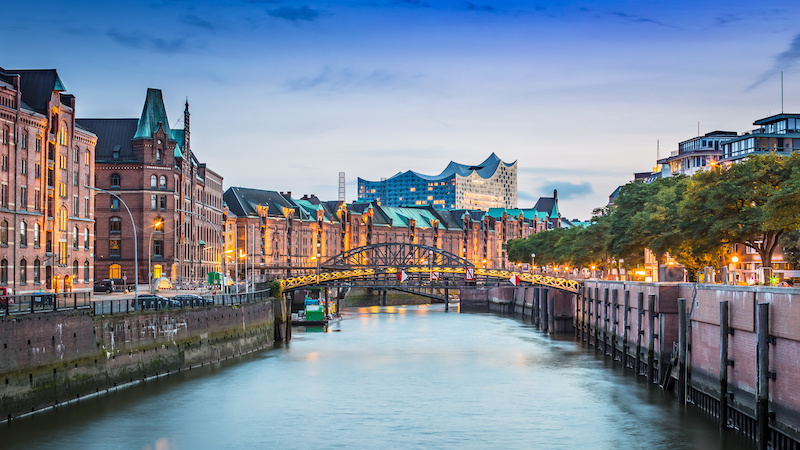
(48, 359)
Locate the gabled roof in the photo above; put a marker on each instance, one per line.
(243, 202)
(153, 115)
(37, 87)
(112, 134)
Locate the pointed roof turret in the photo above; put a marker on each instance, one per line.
(153, 115)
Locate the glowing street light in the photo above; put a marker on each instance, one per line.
(158, 223)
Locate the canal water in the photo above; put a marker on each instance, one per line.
(387, 377)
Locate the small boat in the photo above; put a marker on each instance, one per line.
(314, 314)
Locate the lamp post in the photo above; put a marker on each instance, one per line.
(150, 256)
(734, 261)
(533, 263)
(222, 261)
(135, 243)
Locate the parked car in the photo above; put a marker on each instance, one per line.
(104, 286)
(192, 300)
(151, 301)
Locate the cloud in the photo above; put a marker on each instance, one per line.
(636, 19)
(784, 61)
(199, 22)
(566, 190)
(342, 80)
(295, 14)
(412, 3)
(159, 45)
(522, 195)
(481, 8)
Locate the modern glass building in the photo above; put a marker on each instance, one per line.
(490, 184)
(779, 133)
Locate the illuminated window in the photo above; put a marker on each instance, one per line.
(114, 248)
(62, 219)
(157, 271)
(412, 189)
(86, 272)
(430, 197)
(62, 253)
(114, 271)
(64, 135)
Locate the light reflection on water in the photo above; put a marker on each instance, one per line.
(390, 377)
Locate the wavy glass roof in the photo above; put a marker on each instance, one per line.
(485, 170)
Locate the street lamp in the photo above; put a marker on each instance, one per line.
(150, 256)
(533, 263)
(135, 243)
(223, 261)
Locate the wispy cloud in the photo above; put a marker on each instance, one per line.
(783, 61)
(342, 80)
(295, 14)
(155, 44)
(412, 3)
(199, 22)
(481, 7)
(641, 20)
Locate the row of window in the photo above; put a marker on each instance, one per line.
(23, 235)
(155, 182)
(37, 271)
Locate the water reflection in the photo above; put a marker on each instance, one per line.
(388, 377)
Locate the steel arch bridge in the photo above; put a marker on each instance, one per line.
(378, 265)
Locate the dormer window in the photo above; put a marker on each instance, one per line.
(115, 152)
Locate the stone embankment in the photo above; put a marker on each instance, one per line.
(50, 358)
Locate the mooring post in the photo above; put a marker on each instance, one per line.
(724, 332)
(639, 332)
(544, 319)
(614, 321)
(596, 318)
(524, 297)
(762, 374)
(626, 308)
(605, 321)
(683, 346)
(586, 315)
(551, 316)
(589, 314)
(446, 296)
(577, 315)
(651, 341)
(536, 293)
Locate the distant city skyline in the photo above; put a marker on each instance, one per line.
(285, 95)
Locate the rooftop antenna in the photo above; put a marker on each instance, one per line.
(341, 187)
(698, 128)
(781, 92)
(658, 150)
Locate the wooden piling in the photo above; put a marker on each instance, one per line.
(585, 315)
(762, 374)
(683, 346)
(651, 341)
(724, 332)
(536, 293)
(551, 317)
(446, 296)
(596, 318)
(614, 299)
(544, 320)
(639, 332)
(626, 309)
(605, 321)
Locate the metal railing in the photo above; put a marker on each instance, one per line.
(50, 302)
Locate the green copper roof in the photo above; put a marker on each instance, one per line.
(59, 86)
(153, 115)
(178, 136)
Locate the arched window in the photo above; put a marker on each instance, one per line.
(23, 271)
(4, 232)
(162, 182)
(62, 218)
(75, 239)
(64, 135)
(114, 271)
(86, 272)
(75, 268)
(153, 181)
(115, 225)
(36, 235)
(86, 239)
(116, 180)
(23, 234)
(36, 271)
(4, 271)
(158, 154)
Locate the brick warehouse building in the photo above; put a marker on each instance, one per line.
(46, 159)
(153, 169)
(270, 232)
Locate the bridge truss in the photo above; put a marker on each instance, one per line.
(377, 266)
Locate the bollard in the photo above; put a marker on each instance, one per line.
(724, 332)
(639, 332)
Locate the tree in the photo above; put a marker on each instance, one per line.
(737, 203)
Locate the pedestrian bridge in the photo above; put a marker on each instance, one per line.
(390, 265)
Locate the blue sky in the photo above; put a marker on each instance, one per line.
(285, 95)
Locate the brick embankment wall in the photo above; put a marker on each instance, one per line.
(51, 358)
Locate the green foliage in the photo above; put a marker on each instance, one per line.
(275, 289)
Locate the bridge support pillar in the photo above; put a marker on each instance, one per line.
(535, 313)
(446, 297)
(545, 320)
